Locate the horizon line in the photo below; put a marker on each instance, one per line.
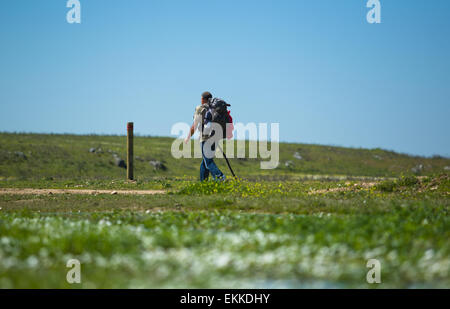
(137, 134)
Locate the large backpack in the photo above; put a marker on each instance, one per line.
(221, 115)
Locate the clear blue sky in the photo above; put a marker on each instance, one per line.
(315, 66)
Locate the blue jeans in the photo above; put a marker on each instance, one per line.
(208, 166)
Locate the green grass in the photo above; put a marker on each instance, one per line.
(238, 236)
(226, 249)
(56, 158)
(315, 224)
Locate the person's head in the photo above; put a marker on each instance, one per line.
(206, 96)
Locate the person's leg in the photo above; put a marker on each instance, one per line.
(211, 166)
(215, 171)
(204, 172)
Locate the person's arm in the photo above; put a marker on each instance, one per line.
(191, 132)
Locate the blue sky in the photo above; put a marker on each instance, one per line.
(315, 66)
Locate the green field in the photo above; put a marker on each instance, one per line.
(313, 223)
(55, 157)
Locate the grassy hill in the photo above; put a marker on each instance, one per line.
(48, 156)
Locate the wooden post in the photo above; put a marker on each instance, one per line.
(130, 166)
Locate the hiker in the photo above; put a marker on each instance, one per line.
(202, 121)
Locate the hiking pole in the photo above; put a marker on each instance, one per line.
(228, 162)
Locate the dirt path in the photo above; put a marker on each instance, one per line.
(356, 186)
(16, 191)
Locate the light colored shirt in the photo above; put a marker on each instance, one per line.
(198, 122)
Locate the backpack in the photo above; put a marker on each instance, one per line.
(220, 114)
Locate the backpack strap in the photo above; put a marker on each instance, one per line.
(203, 113)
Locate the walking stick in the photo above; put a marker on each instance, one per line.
(228, 163)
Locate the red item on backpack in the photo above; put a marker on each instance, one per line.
(230, 126)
